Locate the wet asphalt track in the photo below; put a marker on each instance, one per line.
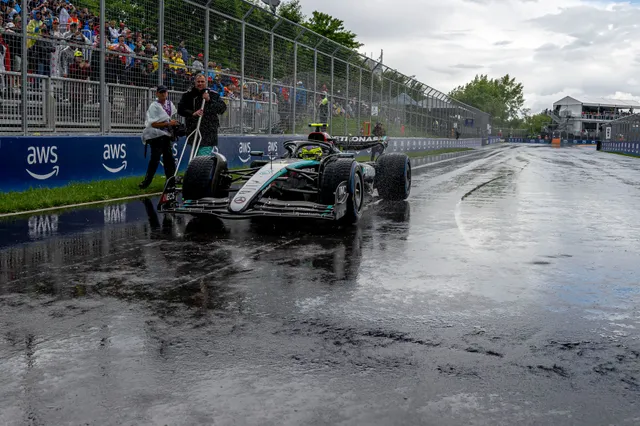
(506, 291)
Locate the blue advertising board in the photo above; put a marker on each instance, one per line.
(548, 141)
(632, 148)
(51, 161)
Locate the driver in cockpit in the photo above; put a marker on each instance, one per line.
(310, 152)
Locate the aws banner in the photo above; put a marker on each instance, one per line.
(632, 148)
(51, 161)
(56, 161)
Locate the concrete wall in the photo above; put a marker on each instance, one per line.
(52, 161)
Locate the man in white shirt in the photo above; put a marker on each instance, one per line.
(158, 133)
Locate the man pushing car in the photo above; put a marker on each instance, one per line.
(190, 107)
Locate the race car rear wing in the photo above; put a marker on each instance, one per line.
(359, 143)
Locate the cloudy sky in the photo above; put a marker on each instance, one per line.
(554, 47)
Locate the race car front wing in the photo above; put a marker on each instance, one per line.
(218, 207)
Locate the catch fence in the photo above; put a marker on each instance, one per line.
(626, 129)
(276, 76)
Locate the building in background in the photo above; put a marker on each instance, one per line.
(586, 117)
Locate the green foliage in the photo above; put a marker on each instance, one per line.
(333, 29)
(292, 11)
(502, 98)
(534, 123)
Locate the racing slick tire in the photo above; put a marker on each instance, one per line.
(393, 176)
(344, 170)
(203, 177)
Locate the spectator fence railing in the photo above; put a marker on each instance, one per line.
(274, 73)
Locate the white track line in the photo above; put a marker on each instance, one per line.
(444, 161)
(71, 206)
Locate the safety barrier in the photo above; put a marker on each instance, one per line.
(548, 141)
(631, 148)
(52, 161)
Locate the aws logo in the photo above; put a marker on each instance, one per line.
(48, 155)
(244, 151)
(272, 150)
(115, 152)
(42, 226)
(115, 213)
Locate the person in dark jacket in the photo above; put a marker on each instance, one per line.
(190, 107)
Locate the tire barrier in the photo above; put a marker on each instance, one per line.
(53, 161)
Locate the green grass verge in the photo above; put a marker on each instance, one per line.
(622, 153)
(74, 193)
(84, 192)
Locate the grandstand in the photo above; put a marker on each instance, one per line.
(585, 118)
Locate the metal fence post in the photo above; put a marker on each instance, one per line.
(103, 85)
(380, 117)
(390, 124)
(25, 69)
(330, 115)
(207, 23)
(346, 101)
(315, 82)
(243, 46)
(294, 98)
(160, 41)
(360, 101)
(373, 73)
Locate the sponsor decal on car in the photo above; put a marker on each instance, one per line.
(356, 138)
(342, 194)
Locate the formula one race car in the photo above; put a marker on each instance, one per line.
(316, 178)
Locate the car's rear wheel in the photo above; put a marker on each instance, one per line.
(342, 179)
(393, 176)
(203, 178)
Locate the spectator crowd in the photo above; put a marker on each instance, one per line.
(64, 42)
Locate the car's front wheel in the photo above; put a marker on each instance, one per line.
(204, 177)
(342, 182)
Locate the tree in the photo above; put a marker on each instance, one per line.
(333, 29)
(292, 11)
(502, 98)
(535, 123)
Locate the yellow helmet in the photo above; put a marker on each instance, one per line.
(311, 153)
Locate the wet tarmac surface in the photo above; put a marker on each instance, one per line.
(505, 291)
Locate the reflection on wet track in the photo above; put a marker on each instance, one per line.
(506, 290)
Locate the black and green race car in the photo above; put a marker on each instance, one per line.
(317, 178)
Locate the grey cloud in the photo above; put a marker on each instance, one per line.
(547, 47)
(502, 43)
(467, 66)
(405, 19)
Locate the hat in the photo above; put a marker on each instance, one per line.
(161, 89)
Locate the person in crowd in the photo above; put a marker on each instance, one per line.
(158, 133)
(190, 107)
